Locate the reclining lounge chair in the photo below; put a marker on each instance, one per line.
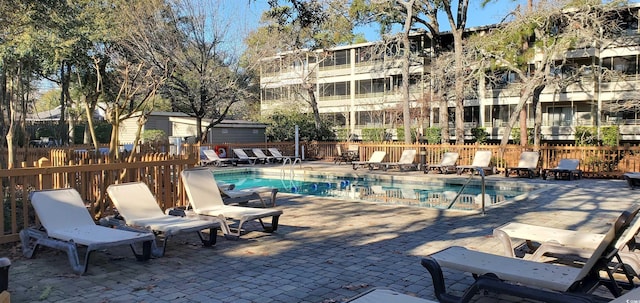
(242, 156)
(529, 279)
(275, 153)
(206, 201)
(210, 157)
(352, 154)
(481, 160)
(566, 242)
(230, 195)
(67, 224)
(374, 161)
(567, 169)
(446, 165)
(262, 157)
(138, 209)
(527, 164)
(405, 162)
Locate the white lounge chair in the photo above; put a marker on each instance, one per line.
(277, 154)
(209, 157)
(529, 279)
(67, 225)
(404, 163)
(446, 165)
(566, 169)
(140, 210)
(528, 164)
(565, 242)
(374, 161)
(242, 156)
(352, 154)
(481, 160)
(231, 195)
(262, 156)
(206, 201)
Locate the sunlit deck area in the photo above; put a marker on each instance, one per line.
(325, 250)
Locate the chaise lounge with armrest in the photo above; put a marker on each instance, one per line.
(567, 169)
(241, 156)
(278, 155)
(352, 154)
(138, 210)
(210, 157)
(206, 202)
(230, 195)
(67, 224)
(374, 161)
(404, 163)
(530, 279)
(262, 157)
(446, 165)
(542, 240)
(481, 160)
(528, 164)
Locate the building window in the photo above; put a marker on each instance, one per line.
(378, 85)
(559, 116)
(335, 89)
(271, 93)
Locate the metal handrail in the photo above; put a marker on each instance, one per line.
(482, 175)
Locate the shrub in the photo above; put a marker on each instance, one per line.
(610, 135)
(586, 136)
(433, 135)
(154, 136)
(373, 134)
(479, 134)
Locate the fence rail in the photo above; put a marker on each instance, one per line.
(91, 173)
(159, 171)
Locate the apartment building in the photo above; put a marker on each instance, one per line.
(358, 87)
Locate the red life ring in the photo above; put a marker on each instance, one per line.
(221, 150)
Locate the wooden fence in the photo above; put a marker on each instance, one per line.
(159, 171)
(595, 161)
(91, 173)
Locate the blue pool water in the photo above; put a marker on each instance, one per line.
(436, 195)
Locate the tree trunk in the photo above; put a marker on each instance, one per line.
(444, 120)
(314, 106)
(537, 116)
(64, 80)
(459, 86)
(527, 91)
(524, 134)
(406, 55)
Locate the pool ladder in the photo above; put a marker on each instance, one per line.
(482, 175)
(291, 170)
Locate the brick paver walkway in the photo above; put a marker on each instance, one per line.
(324, 251)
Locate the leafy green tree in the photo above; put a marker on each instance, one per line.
(281, 127)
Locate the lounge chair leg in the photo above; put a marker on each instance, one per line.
(213, 233)
(438, 281)
(270, 228)
(146, 251)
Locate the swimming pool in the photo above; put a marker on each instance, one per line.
(422, 194)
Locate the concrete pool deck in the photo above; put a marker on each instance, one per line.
(325, 250)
